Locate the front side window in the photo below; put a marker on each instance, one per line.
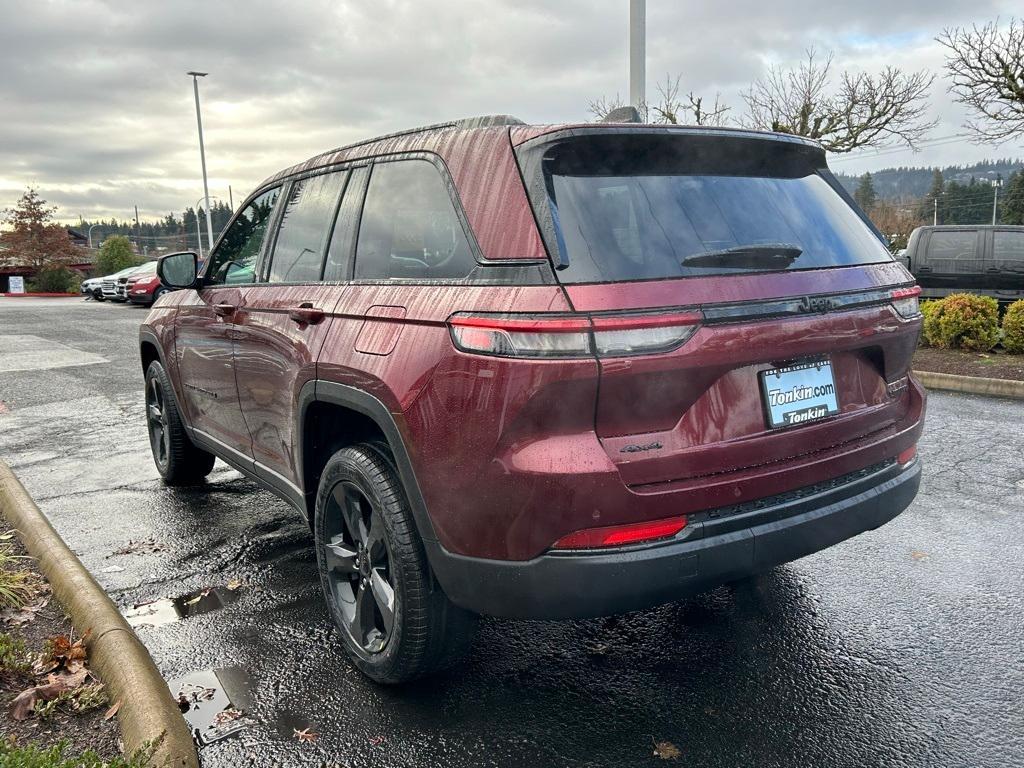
(409, 227)
(305, 226)
(234, 260)
(1008, 249)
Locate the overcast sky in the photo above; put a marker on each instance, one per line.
(97, 112)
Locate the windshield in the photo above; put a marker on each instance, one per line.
(635, 217)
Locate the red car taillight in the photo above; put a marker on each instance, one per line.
(617, 535)
(904, 301)
(571, 335)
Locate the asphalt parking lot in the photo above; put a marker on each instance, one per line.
(900, 647)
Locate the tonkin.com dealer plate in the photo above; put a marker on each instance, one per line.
(799, 393)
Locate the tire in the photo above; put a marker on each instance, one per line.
(157, 294)
(372, 563)
(177, 458)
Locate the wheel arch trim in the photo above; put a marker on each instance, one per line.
(323, 391)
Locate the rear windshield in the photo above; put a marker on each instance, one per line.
(649, 210)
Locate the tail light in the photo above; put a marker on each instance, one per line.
(905, 301)
(617, 535)
(571, 335)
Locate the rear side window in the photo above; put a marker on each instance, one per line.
(409, 227)
(305, 226)
(652, 207)
(952, 245)
(234, 260)
(1008, 249)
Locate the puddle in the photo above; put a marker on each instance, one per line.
(170, 609)
(214, 702)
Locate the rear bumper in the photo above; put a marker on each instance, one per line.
(715, 547)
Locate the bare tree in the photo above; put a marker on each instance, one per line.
(987, 69)
(670, 108)
(861, 111)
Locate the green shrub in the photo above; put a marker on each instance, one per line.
(115, 254)
(54, 278)
(14, 656)
(1013, 328)
(963, 321)
(928, 309)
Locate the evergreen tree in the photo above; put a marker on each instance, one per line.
(865, 194)
(1011, 211)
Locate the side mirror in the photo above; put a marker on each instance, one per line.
(178, 270)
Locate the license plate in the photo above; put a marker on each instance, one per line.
(799, 393)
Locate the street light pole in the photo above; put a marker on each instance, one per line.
(202, 157)
(995, 198)
(199, 232)
(637, 52)
(89, 235)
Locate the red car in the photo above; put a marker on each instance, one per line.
(143, 286)
(544, 371)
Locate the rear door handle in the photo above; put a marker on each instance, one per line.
(306, 313)
(224, 309)
(993, 269)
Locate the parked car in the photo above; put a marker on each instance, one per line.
(92, 288)
(982, 259)
(543, 371)
(143, 286)
(108, 284)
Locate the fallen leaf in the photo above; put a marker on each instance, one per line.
(142, 546)
(25, 702)
(376, 740)
(112, 569)
(200, 596)
(4, 408)
(113, 710)
(919, 555)
(305, 735)
(234, 584)
(225, 716)
(666, 750)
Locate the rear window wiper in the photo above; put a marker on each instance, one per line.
(761, 256)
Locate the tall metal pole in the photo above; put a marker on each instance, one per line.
(231, 199)
(637, 53)
(202, 156)
(935, 211)
(995, 200)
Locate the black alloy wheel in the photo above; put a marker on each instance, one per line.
(358, 562)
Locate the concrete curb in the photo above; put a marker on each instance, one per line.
(148, 714)
(974, 385)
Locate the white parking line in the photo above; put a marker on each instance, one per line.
(33, 353)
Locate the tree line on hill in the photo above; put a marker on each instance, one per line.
(170, 233)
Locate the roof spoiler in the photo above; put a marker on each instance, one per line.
(622, 115)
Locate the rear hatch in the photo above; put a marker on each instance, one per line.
(797, 342)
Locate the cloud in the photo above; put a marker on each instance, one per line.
(99, 114)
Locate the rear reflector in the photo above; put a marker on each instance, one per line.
(907, 456)
(572, 335)
(905, 301)
(617, 535)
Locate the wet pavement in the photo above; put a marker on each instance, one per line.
(904, 646)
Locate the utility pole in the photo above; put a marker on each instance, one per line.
(995, 198)
(202, 156)
(138, 230)
(935, 211)
(637, 53)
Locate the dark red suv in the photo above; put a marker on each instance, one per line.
(543, 371)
